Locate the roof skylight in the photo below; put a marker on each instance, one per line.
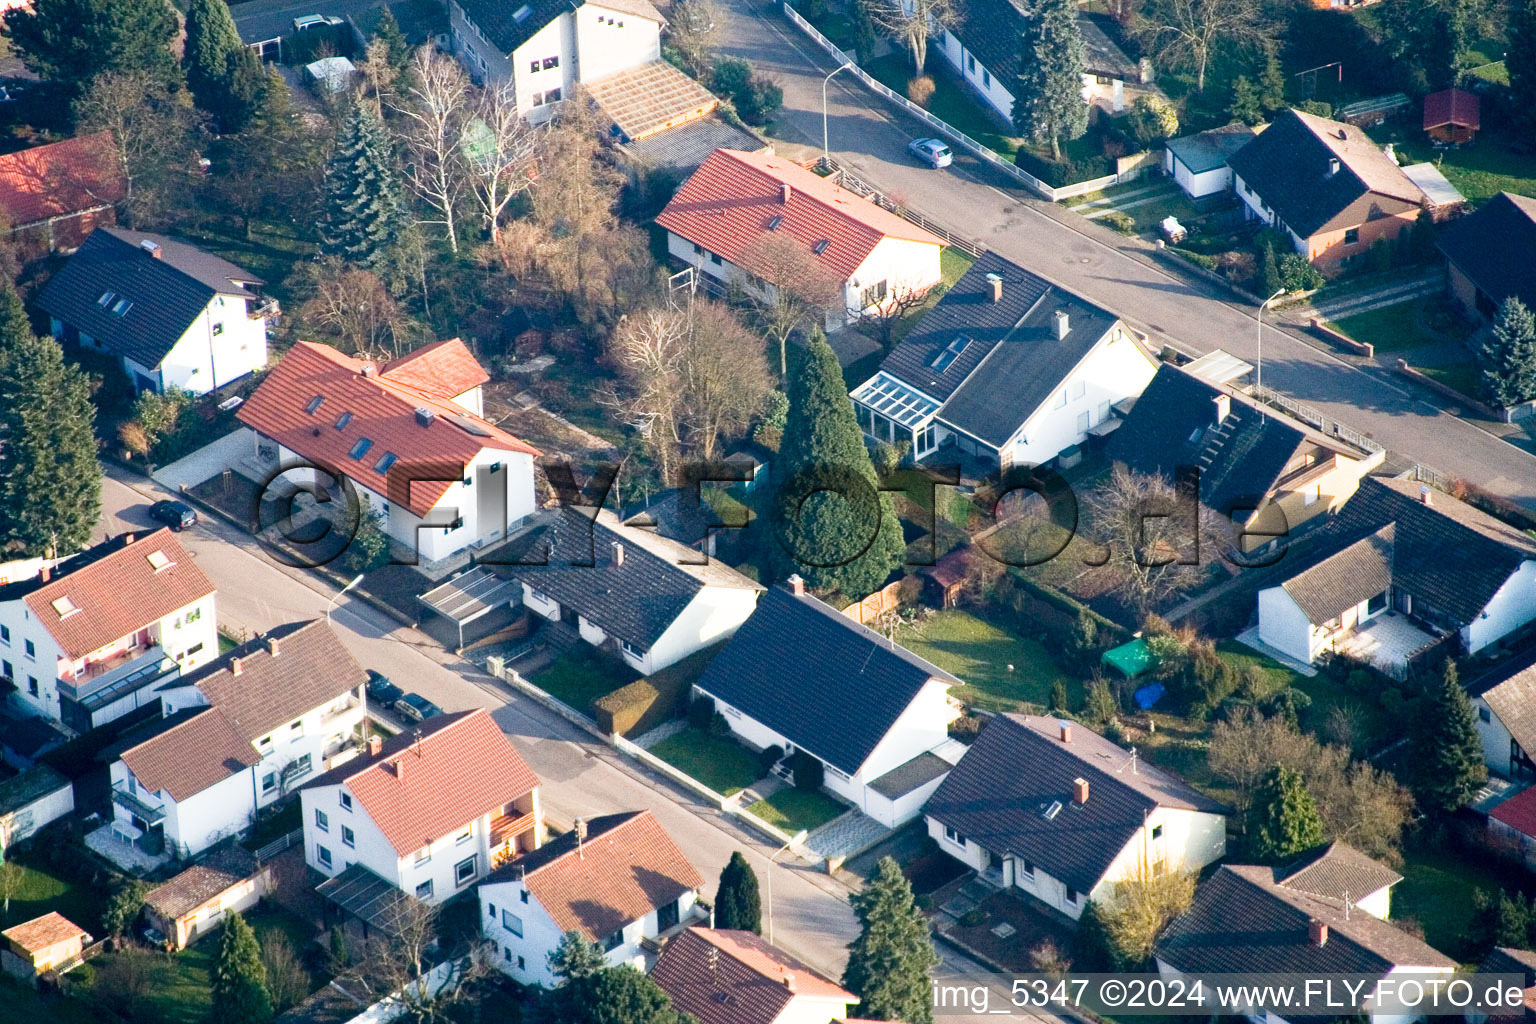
(361, 448)
(343, 420)
(314, 404)
(158, 560)
(65, 607)
(387, 460)
(942, 361)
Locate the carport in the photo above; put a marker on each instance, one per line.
(471, 596)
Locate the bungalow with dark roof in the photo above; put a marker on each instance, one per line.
(408, 435)
(174, 315)
(1056, 810)
(1404, 566)
(83, 639)
(1007, 369)
(617, 880)
(1199, 162)
(31, 800)
(1490, 255)
(427, 814)
(735, 977)
(800, 676)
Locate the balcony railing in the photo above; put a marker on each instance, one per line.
(104, 681)
(149, 813)
(264, 308)
(335, 711)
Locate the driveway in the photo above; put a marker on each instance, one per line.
(868, 136)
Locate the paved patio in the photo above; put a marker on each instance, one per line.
(208, 461)
(1388, 642)
(845, 836)
(1250, 638)
(125, 855)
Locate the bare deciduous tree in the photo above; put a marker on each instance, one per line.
(123, 981)
(432, 119)
(498, 154)
(648, 349)
(726, 380)
(692, 32)
(799, 290)
(151, 131)
(911, 22)
(888, 314)
(355, 308)
(1186, 32)
(287, 980)
(429, 988)
(1156, 542)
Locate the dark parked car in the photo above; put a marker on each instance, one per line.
(175, 514)
(415, 708)
(381, 692)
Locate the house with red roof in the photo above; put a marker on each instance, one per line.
(407, 435)
(722, 221)
(84, 640)
(617, 880)
(1452, 116)
(428, 813)
(735, 977)
(55, 195)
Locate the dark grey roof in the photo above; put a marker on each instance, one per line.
(32, 784)
(30, 737)
(1508, 960)
(167, 294)
(1337, 871)
(1496, 247)
(1013, 362)
(1356, 573)
(817, 678)
(687, 146)
(1447, 554)
(1018, 767)
(1287, 164)
(1101, 55)
(678, 514)
(1241, 922)
(990, 30)
(914, 774)
(1206, 151)
(636, 601)
(1513, 700)
(1173, 423)
(509, 24)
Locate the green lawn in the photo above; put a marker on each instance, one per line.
(578, 678)
(719, 762)
(1325, 692)
(796, 809)
(952, 265)
(1436, 891)
(980, 653)
(25, 1003)
(1461, 376)
(950, 103)
(39, 890)
(226, 644)
(1389, 329)
(274, 825)
(1480, 171)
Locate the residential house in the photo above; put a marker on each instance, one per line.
(1007, 369)
(53, 196)
(1522, 964)
(617, 880)
(237, 736)
(196, 901)
(735, 977)
(1452, 117)
(649, 600)
(1512, 827)
(41, 945)
(719, 220)
(409, 435)
(1339, 872)
(800, 676)
(1504, 700)
(1246, 921)
(984, 49)
(174, 315)
(429, 812)
(1404, 566)
(85, 640)
(30, 800)
(1060, 812)
(1198, 163)
(1486, 254)
(1260, 468)
(1326, 186)
(545, 48)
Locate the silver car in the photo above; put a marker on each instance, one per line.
(932, 152)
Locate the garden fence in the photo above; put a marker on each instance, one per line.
(278, 845)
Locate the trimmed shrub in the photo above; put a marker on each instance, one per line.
(1199, 259)
(809, 773)
(718, 726)
(1120, 221)
(701, 713)
(965, 729)
(973, 918)
(625, 708)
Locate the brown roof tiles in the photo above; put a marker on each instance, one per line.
(734, 977)
(190, 756)
(41, 932)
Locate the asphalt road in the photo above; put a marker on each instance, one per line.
(867, 135)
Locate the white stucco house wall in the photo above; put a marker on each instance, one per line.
(80, 654)
(1504, 706)
(31, 800)
(1198, 163)
(1038, 805)
(545, 48)
(737, 205)
(408, 436)
(176, 316)
(1006, 369)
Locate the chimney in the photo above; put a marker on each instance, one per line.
(796, 585)
(1063, 324)
(369, 370)
(581, 837)
(618, 553)
(1079, 791)
(375, 745)
(127, 538)
(785, 192)
(1066, 730)
(398, 767)
(1423, 494)
(789, 980)
(151, 248)
(236, 666)
(44, 574)
(1223, 408)
(272, 645)
(1317, 932)
(996, 281)
(1333, 166)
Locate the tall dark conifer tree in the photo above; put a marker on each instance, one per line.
(365, 202)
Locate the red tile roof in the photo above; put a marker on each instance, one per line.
(627, 867)
(444, 369)
(38, 934)
(745, 981)
(1452, 106)
(64, 177)
(1518, 812)
(427, 782)
(118, 594)
(201, 751)
(383, 409)
(730, 201)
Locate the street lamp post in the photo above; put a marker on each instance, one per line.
(774, 858)
(826, 149)
(332, 602)
(1259, 381)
